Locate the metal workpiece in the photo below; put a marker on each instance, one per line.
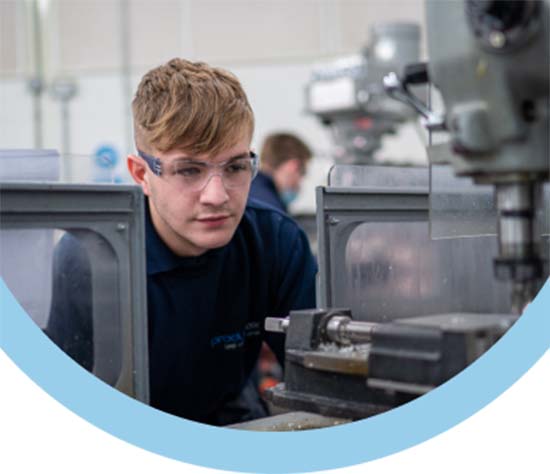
(337, 328)
(342, 330)
(306, 329)
(276, 324)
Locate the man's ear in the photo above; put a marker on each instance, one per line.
(138, 171)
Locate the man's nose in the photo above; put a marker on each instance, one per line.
(214, 192)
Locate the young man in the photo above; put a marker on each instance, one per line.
(284, 159)
(217, 264)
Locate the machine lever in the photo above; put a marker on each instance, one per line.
(398, 89)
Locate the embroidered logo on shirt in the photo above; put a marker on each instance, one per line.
(236, 339)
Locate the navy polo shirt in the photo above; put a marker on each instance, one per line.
(263, 189)
(206, 313)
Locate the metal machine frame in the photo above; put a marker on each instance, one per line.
(116, 213)
(341, 210)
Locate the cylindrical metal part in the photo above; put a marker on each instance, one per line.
(518, 260)
(276, 324)
(515, 205)
(342, 330)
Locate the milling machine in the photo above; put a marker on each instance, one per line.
(489, 60)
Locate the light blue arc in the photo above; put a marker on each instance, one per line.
(244, 451)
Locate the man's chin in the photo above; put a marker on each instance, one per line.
(213, 240)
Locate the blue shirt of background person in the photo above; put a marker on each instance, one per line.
(283, 163)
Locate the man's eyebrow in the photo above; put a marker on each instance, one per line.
(190, 159)
(186, 159)
(246, 154)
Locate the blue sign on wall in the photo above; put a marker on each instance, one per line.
(106, 157)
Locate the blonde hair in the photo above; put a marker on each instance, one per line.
(190, 106)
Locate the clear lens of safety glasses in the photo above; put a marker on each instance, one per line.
(194, 175)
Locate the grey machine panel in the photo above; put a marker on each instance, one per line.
(376, 257)
(107, 221)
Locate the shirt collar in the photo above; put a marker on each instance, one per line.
(267, 181)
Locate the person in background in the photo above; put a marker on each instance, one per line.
(283, 163)
(217, 263)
